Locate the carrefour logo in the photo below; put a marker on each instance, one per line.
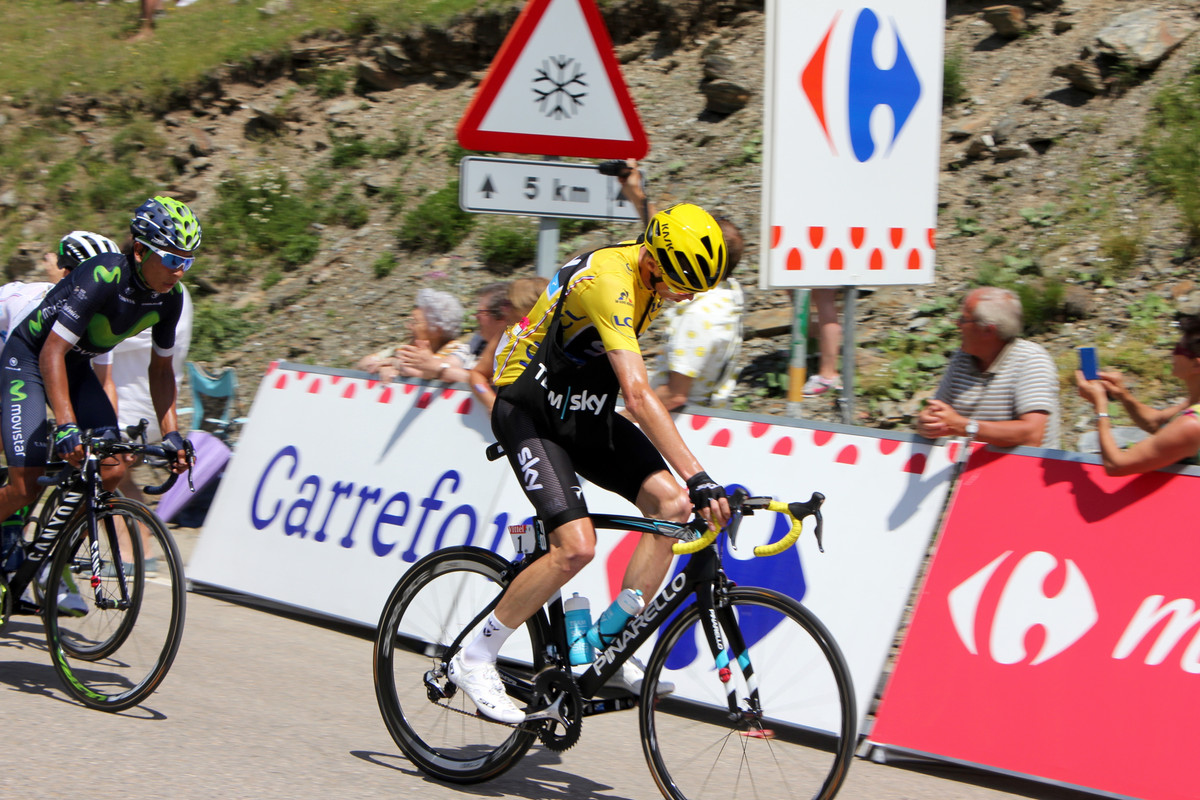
(1065, 617)
(865, 84)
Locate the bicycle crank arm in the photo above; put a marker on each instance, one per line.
(604, 705)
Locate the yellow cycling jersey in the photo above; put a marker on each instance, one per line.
(606, 308)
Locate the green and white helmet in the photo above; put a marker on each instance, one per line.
(166, 222)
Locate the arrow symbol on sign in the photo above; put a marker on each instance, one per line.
(487, 188)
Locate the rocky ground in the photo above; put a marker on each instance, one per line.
(1038, 174)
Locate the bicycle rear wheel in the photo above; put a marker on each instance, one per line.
(794, 732)
(114, 653)
(434, 723)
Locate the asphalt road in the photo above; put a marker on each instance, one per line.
(260, 704)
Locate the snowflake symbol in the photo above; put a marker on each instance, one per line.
(559, 102)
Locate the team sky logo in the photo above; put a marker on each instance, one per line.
(999, 632)
(864, 84)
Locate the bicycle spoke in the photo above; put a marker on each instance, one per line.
(435, 601)
(113, 634)
(795, 741)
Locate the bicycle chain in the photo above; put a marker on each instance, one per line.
(547, 681)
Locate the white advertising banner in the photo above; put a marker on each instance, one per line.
(339, 484)
(852, 135)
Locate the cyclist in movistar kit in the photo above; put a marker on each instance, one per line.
(47, 358)
(558, 372)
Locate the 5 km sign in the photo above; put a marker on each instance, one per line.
(540, 189)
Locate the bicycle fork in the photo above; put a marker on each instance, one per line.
(94, 534)
(715, 617)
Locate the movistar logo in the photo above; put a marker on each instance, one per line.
(15, 391)
(107, 275)
(35, 323)
(100, 329)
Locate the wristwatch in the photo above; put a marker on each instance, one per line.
(972, 428)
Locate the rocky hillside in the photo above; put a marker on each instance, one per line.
(1040, 185)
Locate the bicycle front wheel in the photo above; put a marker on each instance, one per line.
(114, 634)
(793, 732)
(434, 723)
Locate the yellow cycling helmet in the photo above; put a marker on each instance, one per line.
(689, 247)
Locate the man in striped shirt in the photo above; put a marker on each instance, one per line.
(999, 388)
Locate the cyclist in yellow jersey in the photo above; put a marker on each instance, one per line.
(558, 373)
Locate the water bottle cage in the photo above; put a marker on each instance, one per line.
(607, 639)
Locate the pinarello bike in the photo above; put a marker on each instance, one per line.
(763, 704)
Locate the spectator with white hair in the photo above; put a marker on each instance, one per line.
(998, 388)
(434, 347)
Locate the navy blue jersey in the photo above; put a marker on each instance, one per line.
(100, 304)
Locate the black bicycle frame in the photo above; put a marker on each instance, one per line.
(74, 494)
(699, 577)
(42, 547)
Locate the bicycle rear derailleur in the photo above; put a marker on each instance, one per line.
(557, 709)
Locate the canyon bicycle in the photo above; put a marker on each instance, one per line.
(763, 702)
(115, 649)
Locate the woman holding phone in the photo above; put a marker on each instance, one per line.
(1175, 431)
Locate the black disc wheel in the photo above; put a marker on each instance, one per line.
(438, 601)
(792, 731)
(113, 632)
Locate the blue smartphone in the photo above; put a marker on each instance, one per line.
(1087, 363)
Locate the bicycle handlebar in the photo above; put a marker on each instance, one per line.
(743, 504)
(103, 448)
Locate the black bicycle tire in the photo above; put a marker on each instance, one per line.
(69, 553)
(813, 627)
(75, 536)
(424, 755)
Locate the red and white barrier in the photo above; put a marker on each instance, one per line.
(339, 484)
(1057, 634)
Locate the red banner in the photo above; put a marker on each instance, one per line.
(1058, 634)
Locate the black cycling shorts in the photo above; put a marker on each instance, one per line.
(25, 427)
(546, 469)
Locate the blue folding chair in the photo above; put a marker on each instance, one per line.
(214, 398)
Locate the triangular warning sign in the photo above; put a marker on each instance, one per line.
(555, 89)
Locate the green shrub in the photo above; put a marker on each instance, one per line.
(392, 148)
(139, 135)
(1121, 248)
(346, 209)
(508, 245)
(1041, 295)
(568, 228)
(384, 265)
(1171, 148)
(218, 327)
(258, 224)
(952, 79)
(348, 152)
(330, 82)
(437, 223)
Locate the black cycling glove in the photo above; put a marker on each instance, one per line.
(702, 488)
(66, 439)
(173, 443)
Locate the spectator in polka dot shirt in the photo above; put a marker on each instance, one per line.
(704, 335)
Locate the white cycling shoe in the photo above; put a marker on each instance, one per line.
(483, 685)
(629, 677)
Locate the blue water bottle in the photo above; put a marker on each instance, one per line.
(628, 603)
(579, 619)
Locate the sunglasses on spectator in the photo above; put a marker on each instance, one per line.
(171, 260)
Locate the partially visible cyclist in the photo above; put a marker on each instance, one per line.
(48, 357)
(558, 372)
(17, 300)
